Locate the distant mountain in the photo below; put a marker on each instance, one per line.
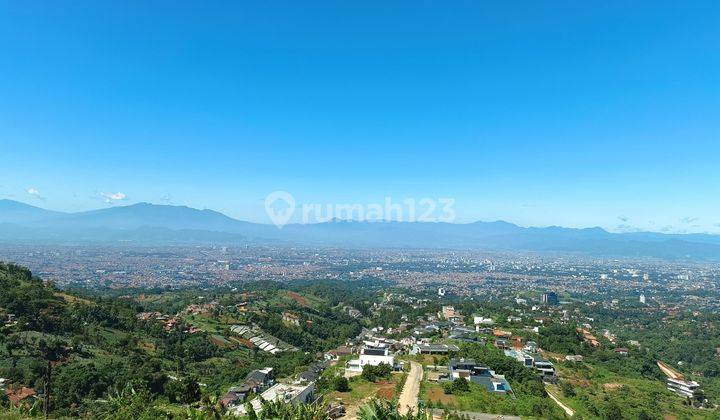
(153, 215)
(21, 213)
(146, 223)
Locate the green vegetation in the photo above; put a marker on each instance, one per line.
(561, 338)
(385, 410)
(174, 353)
(374, 373)
(528, 399)
(457, 386)
(113, 364)
(341, 384)
(609, 385)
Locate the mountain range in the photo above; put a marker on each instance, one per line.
(151, 224)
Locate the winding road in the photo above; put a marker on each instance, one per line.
(409, 396)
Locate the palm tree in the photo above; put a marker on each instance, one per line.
(278, 410)
(387, 410)
(212, 407)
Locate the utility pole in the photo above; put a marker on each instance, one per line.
(46, 389)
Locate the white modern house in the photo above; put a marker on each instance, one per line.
(683, 387)
(372, 355)
(481, 320)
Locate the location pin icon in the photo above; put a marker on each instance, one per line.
(279, 206)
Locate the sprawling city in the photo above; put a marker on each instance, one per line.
(445, 333)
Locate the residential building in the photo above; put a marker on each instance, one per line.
(291, 318)
(372, 355)
(479, 374)
(683, 387)
(255, 382)
(480, 320)
(544, 367)
(521, 357)
(338, 353)
(502, 343)
(292, 394)
(433, 348)
(449, 313)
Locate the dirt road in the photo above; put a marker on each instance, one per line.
(409, 396)
(569, 411)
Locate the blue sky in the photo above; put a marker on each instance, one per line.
(539, 113)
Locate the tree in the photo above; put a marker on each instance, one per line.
(51, 352)
(643, 415)
(280, 410)
(386, 410)
(460, 385)
(133, 402)
(613, 411)
(13, 343)
(184, 391)
(79, 381)
(211, 407)
(567, 389)
(373, 373)
(341, 384)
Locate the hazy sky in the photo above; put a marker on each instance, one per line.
(575, 113)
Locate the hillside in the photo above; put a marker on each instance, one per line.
(145, 355)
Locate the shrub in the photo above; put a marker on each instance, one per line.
(340, 384)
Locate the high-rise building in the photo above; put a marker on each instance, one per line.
(642, 298)
(550, 298)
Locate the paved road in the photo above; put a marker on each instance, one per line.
(409, 396)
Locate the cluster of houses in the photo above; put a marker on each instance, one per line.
(290, 318)
(200, 309)
(255, 337)
(373, 348)
(262, 382)
(169, 322)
